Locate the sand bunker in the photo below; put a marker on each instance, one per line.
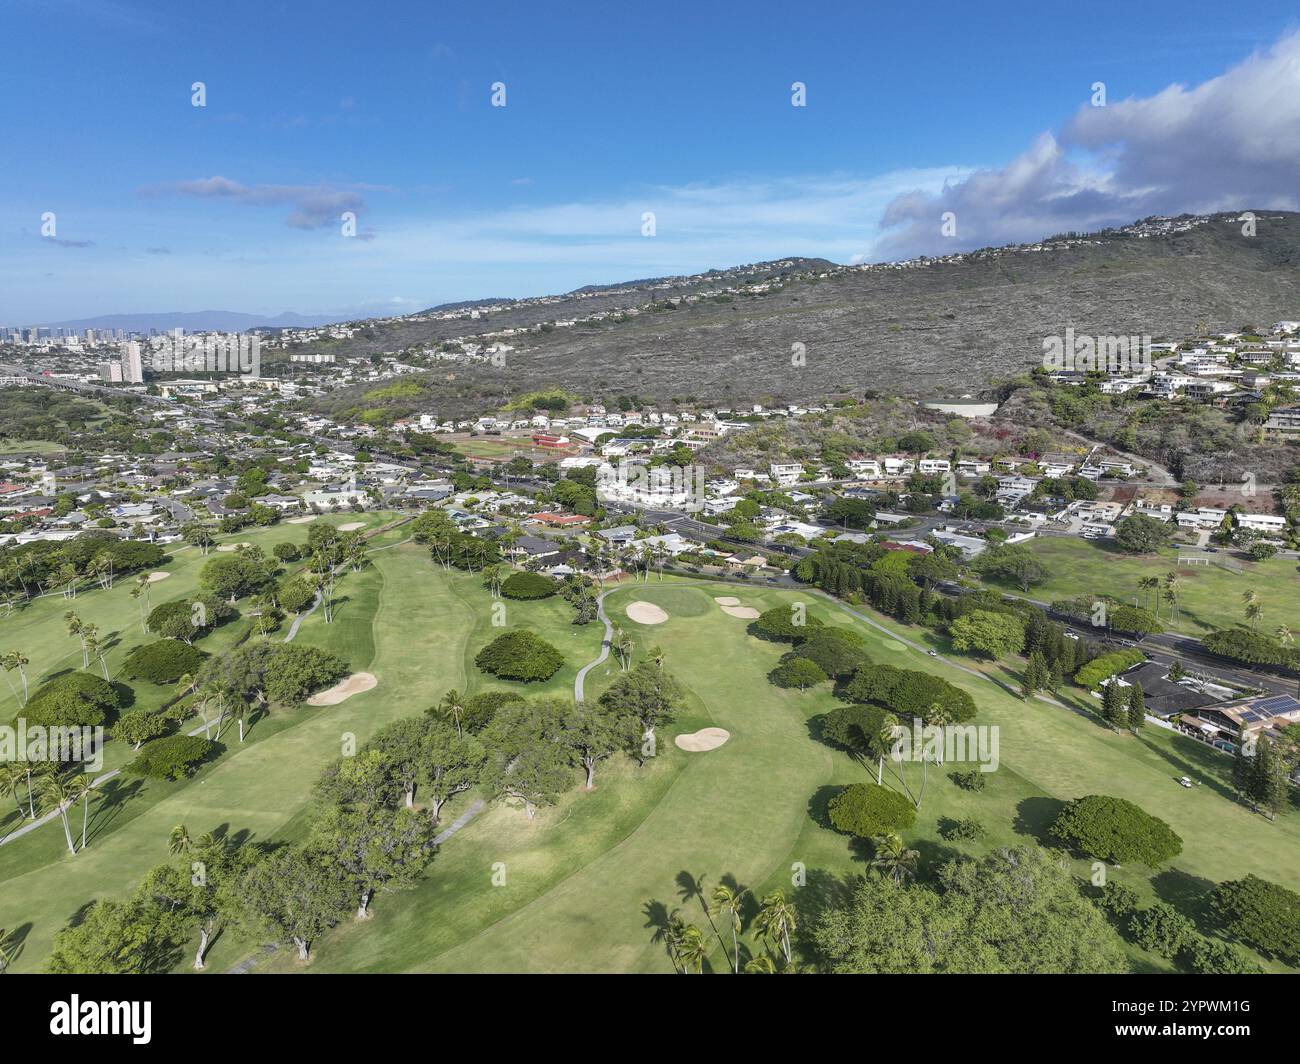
(302, 520)
(343, 690)
(747, 613)
(646, 613)
(704, 739)
(726, 600)
(352, 526)
(230, 548)
(155, 577)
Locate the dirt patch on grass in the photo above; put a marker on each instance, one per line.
(702, 740)
(344, 689)
(647, 613)
(352, 526)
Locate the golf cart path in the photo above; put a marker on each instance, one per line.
(579, 681)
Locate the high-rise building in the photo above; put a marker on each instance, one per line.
(132, 365)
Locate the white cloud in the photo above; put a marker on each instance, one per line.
(1232, 142)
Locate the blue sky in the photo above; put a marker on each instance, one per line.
(385, 110)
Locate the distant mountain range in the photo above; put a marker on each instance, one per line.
(798, 329)
(197, 321)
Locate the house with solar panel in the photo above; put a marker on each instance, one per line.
(1259, 715)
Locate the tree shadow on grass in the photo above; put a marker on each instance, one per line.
(1195, 761)
(1186, 892)
(822, 892)
(112, 799)
(1035, 816)
(125, 695)
(657, 920)
(819, 805)
(16, 940)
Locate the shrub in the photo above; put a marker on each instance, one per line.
(139, 726)
(1260, 913)
(1209, 956)
(286, 552)
(783, 624)
(968, 781)
(172, 758)
(910, 694)
(1108, 665)
(1253, 648)
(295, 594)
(520, 655)
(1118, 899)
(1161, 929)
(967, 828)
(164, 661)
(176, 620)
(75, 699)
(528, 586)
(1116, 830)
(865, 810)
(481, 708)
(836, 651)
(296, 670)
(798, 672)
(1134, 620)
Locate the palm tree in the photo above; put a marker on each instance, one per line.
(1251, 601)
(776, 921)
(202, 703)
(11, 780)
(726, 904)
(179, 840)
(1152, 584)
(6, 949)
(760, 965)
(1173, 588)
(29, 773)
(197, 535)
(15, 660)
(673, 930)
(141, 594)
(884, 740)
(1284, 635)
(75, 627)
(691, 949)
(452, 706)
(61, 794)
(82, 787)
(1253, 607)
(243, 713)
(893, 859)
(95, 646)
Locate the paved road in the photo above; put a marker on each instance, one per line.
(580, 680)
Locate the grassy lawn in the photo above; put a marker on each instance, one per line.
(1210, 596)
(43, 885)
(587, 881)
(30, 447)
(500, 448)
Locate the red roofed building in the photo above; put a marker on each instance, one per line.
(560, 520)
